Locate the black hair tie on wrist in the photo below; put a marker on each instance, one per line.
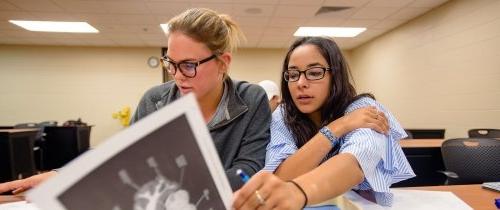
(301, 190)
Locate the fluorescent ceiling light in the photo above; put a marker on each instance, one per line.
(329, 31)
(55, 26)
(165, 27)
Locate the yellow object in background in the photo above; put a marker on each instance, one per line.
(123, 115)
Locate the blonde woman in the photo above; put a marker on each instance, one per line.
(200, 46)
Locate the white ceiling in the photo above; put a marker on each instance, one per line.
(136, 22)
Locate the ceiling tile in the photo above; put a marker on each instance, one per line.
(296, 11)
(278, 39)
(376, 13)
(163, 18)
(21, 15)
(286, 22)
(155, 42)
(205, 1)
(359, 23)
(347, 13)
(55, 16)
(252, 32)
(301, 2)
(99, 42)
(23, 33)
(242, 10)
(6, 6)
(279, 44)
(218, 7)
(348, 44)
(345, 3)
(408, 13)
(6, 26)
(15, 40)
(72, 42)
(251, 21)
(136, 19)
(135, 22)
(46, 41)
(280, 31)
(388, 3)
(125, 7)
(325, 22)
(161, 37)
(39, 5)
(127, 40)
(388, 24)
(270, 2)
(167, 8)
(369, 34)
(81, 6)
(427, 3)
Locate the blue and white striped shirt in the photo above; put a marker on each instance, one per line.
(380, 156)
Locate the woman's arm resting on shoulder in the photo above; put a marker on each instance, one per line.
(313, 152)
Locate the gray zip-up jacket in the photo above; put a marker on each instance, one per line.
(240, 137)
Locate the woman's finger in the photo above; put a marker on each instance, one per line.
(248, 190)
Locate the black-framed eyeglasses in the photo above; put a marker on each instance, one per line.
(187, 68)
(313, 73)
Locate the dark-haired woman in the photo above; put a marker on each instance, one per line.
(313, 152)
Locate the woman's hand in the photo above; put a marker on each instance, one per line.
(22, 185)
(267, 191)
(367, 117)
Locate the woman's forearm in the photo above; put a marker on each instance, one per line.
(305, 159)
(331, 179)
(311, 154)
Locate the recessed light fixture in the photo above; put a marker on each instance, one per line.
(165, 27)
(55, 26)
(329, 31)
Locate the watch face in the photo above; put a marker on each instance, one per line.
(153, 62)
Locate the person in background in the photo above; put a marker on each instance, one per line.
(272, 92)
(315, 154)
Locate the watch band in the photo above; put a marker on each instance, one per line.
(329, 135)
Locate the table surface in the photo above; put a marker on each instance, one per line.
(421, 143)
(17, 130)
(475, 196)
(11, 198)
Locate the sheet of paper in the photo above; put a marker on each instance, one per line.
(165, 161)
(20, 205)
(414, 200)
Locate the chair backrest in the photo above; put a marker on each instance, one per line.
(484, 133)
(63, 144)
(16, 154)
(474, 160)
(31, 125)
(426, 133)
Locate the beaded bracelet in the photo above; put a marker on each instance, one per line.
(329, 135)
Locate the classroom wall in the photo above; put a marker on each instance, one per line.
(39, 83)
(440, 70)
